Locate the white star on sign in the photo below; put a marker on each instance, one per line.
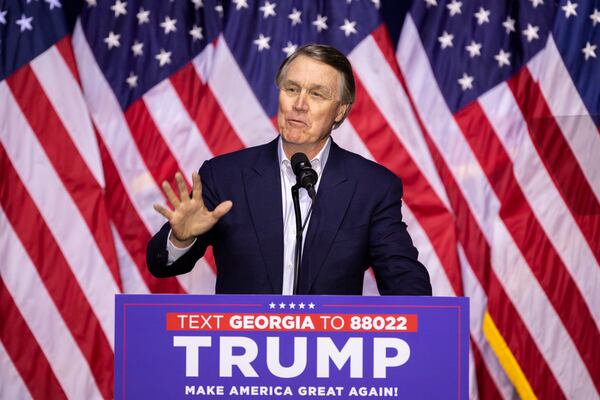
(503, 58)
(589, 50)
(268, 9)
(292, 305)
(197, 4)
(91, 3)
(239, 4)
(164, 57)
(262, 42)
(482, 16)
(168, 25)
(311, 305)
(531, 32)
(53, 3)
(466, 82)
(301, 305)
(143, 16)
(196, 33)
(474, 49)
(137, 48)
(3, 17)
(536, 3)
(289, 49)
(271, 305)
(454, 7)
(595, 16)
(509, 24)
(119, 8)
(112, 40)
(320, 22)
(569, 9)
(431, 3)
(446, 40)
(295, 17)
(348, 27)
(282, 305)
(132, 80)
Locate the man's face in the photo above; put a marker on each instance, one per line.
(309, 103)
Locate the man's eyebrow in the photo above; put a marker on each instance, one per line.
(313, 87)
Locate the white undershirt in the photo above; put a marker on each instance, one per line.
(288, 179)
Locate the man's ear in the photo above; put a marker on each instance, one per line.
(341, 112)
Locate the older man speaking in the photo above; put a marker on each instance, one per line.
(355, 221)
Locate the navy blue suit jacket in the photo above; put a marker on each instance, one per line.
(356, 223)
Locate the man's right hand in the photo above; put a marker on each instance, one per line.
(189, 217)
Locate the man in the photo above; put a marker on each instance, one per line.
(356, 221)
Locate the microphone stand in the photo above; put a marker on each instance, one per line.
(299, 229)
(298, 251)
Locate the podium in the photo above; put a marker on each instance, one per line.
(295, 347)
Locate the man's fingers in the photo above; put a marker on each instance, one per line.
(222, 209)
(165, 212)
(170, 194)
(183, 193)
(196, 187)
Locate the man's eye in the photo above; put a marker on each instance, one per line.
(291, 90)
(318, 95)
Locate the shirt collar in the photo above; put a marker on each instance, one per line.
(317, 163)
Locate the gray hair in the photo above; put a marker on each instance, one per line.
(330, 56)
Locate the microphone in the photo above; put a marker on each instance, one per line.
(306, 177)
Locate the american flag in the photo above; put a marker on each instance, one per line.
(487, 110)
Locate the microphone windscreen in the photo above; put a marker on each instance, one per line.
(299, 161)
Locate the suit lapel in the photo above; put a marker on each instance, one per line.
(333, 197)
(263, 188)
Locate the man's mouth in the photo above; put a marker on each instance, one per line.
(296, 122)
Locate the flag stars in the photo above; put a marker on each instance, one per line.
(119, 8)
(196, 33)
(509, 25)
(320, 22)
(570, 9)
(589, 50)
(137, 48)
(531, 32)
(168, 25)
(348, 27)
(483, 16)
(466, 82)
(289, 49)
(197, 4)
(431, 3)
(474, 49)
(53, 3)
(262, 42)
(503, 58)
(536, 3)
(454, 7)
(295, 17)
(3, 17)
(132, 80)
(143, 16)
(376, 3)
(112, 40)
(164, 57)
(91, 3)
(239, 4)
(219, 10)
(446, 40)
(268, 9)
(24, 23)
(595, 17)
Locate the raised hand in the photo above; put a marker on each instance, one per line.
(189, 217)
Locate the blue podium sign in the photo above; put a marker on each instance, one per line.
(296, 347)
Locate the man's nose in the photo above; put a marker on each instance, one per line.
(300, 103)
